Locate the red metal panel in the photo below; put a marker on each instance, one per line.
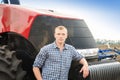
(16, 19)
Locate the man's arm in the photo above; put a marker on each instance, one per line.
(84, 69)
(37, 73)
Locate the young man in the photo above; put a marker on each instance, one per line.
(55, 58)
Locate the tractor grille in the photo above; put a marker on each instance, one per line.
(105, 71)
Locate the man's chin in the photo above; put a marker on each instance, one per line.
(61, 42)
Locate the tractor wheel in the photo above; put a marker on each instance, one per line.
(10, 66)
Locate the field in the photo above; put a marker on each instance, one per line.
(112, 47)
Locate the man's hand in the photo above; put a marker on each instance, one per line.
(85, 71)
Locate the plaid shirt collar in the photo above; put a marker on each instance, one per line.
(55, 46)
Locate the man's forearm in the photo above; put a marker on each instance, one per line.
(37, 73)
(83, 62)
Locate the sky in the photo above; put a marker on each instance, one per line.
(101, 16)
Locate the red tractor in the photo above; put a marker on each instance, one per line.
(24, 31)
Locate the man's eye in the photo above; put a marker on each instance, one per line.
(63, 34)
(58, 34)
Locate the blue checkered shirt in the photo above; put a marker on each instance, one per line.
(54, 63)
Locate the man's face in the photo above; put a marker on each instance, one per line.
(60, 35)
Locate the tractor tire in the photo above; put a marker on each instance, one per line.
(10, 66)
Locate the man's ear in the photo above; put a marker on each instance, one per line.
(67, 35)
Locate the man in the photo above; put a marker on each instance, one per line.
(55, 58)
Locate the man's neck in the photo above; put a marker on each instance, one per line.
(60, 46)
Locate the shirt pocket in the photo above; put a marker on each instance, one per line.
(54, 57)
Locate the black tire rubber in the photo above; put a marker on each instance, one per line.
(10, 66)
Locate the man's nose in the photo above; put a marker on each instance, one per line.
(61, 35)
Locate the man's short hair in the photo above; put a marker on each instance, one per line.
(61, 28)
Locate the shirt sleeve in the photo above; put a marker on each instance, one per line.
(76, 55)
(40, 58)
